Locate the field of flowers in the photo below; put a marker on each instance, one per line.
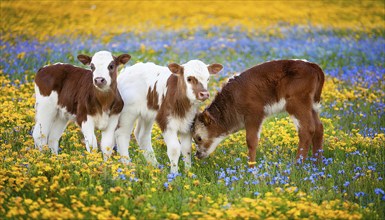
(347, 39)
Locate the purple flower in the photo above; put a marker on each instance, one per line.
(347, 183)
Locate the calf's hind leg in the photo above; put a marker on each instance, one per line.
(46, 112)
(318, 137)
(143, 136)
(123, 135)
(301, 112)
(57, 130)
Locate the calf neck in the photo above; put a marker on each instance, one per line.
(89, 97)
(246, 100)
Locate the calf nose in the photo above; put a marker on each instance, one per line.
(198, 154)
(100, 82)
(203, 95)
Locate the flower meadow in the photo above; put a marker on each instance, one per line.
(347, 39)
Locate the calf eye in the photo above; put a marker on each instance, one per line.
(111, 67)
(199, 139)
(188, 79)
(92, 67)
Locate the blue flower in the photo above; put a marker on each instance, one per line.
(347, 183)
(122, 176)
(359, 194)
(379, 191)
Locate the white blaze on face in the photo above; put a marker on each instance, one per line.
(101, 60)
(199, 70)
(213, 145)
(206, 145)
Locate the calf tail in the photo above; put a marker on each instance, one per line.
(321, 80)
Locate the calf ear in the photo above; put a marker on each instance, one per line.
(123, 59)
(214, 68)
(206, 118)
(175, 68)
(86, 60)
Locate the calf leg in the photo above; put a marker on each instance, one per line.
(46, 113)
(58, 127)
(253, 126)
(123, 135)
(88, 130)
(306, 125)
(143, 136)
(173, 149)
(108, 137)
(318, 136)
(186, 140)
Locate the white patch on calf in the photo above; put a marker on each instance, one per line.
(317, 107)
(101, 120)
(213, 146)
(182, 125)
(101, 61)
(295, 121)
(304, 60)
(46, 111)
(199, 70)
(275, 107)
(63, 113)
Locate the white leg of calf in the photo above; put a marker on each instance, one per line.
(143, 136)
(123, 135)
(46, 111)
(108, 137)
(185, 140)
(88, 129)
(173, 149)
(58, 127)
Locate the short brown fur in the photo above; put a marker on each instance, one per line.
(175, 102)
(242, 100)
(76, 91)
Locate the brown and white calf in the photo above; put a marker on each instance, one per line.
(89, 97)
(171, 96)
(246, 100)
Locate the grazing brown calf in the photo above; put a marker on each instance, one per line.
(246, 100)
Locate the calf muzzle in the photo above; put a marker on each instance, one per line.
(203, 95)
(100, 82)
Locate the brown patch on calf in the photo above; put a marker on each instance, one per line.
(152, 98)
(175, 103)
(242, 100)
(196, 86)
(76, 92)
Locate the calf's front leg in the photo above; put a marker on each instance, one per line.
(108, 137)
(88, 129)
(186, 140)
(173, 149)
(252, 135)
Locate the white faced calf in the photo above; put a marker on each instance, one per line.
(89, 97)
(168, 95)
(265, 89)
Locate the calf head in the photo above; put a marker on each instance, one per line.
(196, 76)
(207, 134)
(104, 67)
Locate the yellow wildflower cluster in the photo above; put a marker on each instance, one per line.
(43, 20)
